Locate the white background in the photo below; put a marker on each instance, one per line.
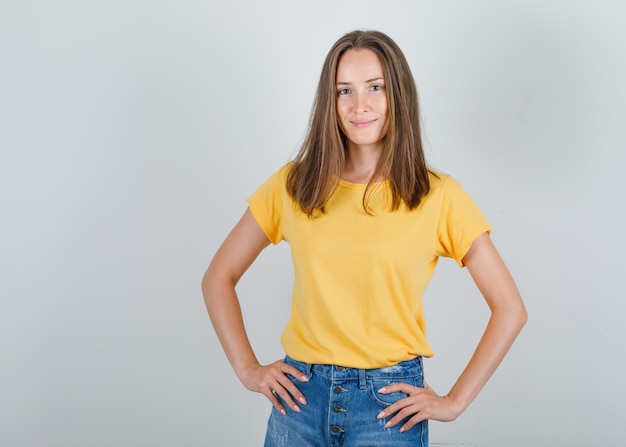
(131, 133)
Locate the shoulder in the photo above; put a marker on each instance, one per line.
(279, 176)
(286, 169)
(439, 181)
(445, 188)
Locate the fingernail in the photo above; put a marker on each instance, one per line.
(382, 390)
(283, 412)
(381, 415)
(302, 400)
(304, 379)
(296, 408)
(388, 424)
(401, 429)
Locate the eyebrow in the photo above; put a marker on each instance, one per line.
(367, 82)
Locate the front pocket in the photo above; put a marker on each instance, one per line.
(304, 368)
(384, 400)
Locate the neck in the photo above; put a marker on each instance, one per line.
(361, 162)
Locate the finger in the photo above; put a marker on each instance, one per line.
(399, 415)
(412, 422)
(399, 387)
(295, 372)
(273, 398)
(295, 392)
(290, 386)
(285, 390)
(391, 409)
(398, 411)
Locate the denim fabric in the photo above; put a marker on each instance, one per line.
(342, 407)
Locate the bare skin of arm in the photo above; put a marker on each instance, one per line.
(233, 258)
(508, 316)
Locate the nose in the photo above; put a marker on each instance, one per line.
(361, 103)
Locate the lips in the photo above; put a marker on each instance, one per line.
(362, 123)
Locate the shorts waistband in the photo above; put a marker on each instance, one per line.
(407, 368)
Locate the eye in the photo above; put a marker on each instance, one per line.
(376, 87)
(343, 91)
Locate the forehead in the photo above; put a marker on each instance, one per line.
(359, 65)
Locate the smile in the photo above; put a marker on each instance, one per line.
(362, 123)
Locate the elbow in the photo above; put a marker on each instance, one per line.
(205, 286)
(214, 281)
(209, 280)
(210, 286)
(513, 315)
(524, 316)
(519, 316)
(205, 282)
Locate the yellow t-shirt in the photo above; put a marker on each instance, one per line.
(359, 278)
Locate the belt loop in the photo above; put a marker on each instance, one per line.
(308, 369)
(362, 379)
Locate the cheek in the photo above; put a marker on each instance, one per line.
(385, 127)
(382, 106)
(342, 109)
(340, 121)
(385, 112)
(342, 114)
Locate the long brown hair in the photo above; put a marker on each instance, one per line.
(316, 169)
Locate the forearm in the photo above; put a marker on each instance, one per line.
(423, 403)
(224, 311)
(500, 333)
(232, 259)
(508, 316)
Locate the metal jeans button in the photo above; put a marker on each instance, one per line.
(338, 409)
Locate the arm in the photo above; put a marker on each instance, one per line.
(236, 254)
(508, 316)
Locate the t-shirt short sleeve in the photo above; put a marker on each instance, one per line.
(266, 205)
(460, 222)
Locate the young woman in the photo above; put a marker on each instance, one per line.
(366, 221)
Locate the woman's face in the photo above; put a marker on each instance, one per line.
(361, 98)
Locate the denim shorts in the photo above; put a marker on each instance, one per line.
(342, 405)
